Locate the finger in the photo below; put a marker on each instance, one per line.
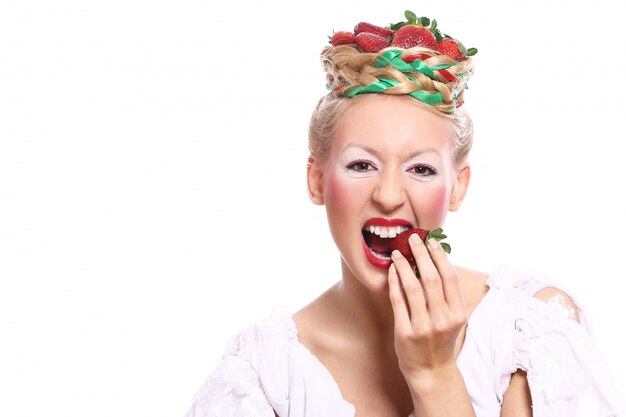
(410, 284)
(449, 277)
(398, 303)
(431, 282)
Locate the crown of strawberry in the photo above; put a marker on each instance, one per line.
(405, 34)
(393, 46)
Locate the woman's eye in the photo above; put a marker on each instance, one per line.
(360, 166)
(423, 170)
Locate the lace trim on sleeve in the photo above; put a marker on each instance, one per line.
(560, 306)
(233, 389)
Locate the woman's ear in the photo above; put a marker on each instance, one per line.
(315, 180)
(459, 189)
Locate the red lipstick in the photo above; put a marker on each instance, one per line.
(379, 221)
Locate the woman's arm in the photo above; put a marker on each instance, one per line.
(516, 401)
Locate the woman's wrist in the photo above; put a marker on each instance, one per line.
(440, 392)
(429, 380)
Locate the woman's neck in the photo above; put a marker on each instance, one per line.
(365, 315)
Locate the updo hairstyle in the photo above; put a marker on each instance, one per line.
(348, 68)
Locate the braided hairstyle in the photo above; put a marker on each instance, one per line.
(349, 71)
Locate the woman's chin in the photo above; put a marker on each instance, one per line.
(372, 278)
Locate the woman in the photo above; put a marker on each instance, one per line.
(389, 148)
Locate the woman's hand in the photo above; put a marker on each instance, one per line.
(429, 312)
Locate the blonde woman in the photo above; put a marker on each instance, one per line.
(407, 334)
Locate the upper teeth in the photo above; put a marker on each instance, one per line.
(387, 232)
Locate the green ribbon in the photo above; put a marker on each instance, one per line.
(392, 58)
(384, 83)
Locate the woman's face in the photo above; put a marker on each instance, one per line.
(389, 168)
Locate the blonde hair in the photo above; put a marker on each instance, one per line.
(347, 68)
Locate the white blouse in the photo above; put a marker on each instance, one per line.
(266, 368)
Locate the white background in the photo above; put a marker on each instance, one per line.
(152, 179)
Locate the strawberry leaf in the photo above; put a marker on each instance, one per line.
(446, 247)
(438, 35)
(424, 21)
(410, 17)
(396, 26)
(433, 25)
(472, 51)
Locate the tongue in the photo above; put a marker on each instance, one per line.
(378, 244)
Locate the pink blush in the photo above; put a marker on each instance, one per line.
(436, 203)
(339, 190)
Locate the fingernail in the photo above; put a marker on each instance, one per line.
(415, 239)
(432, 242)
(396, 254)
(392, 269)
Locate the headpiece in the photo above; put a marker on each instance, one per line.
(411, 57)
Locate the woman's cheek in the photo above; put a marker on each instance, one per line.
(436, 204)
(341, 201)
(340, 191)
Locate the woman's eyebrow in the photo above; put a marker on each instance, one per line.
(377, 155)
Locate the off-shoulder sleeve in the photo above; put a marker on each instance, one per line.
(233, 389)
(567, 374)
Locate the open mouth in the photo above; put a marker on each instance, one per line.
(378, 239)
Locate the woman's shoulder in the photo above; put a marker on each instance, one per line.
(522, 305)
(516, 287)
(517, 280)
(315, 323)
(474, 286)
(276, 331)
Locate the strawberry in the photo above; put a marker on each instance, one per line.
(369, 42)
(450, 47)
(376, 30)
(401, 243)
(342, 38)
(409, 36)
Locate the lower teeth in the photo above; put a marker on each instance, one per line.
(379, 256)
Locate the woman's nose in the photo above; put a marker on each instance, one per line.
(390, 193)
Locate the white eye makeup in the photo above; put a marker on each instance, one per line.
(361, 166)
(359, 163)
(422, 171)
